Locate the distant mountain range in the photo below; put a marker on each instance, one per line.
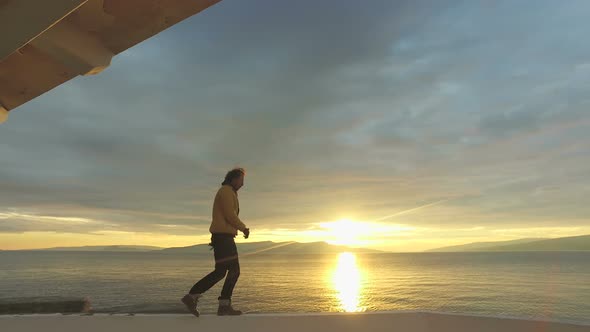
(571, 243)
(480, 246)
(284, 248)
(264, 247)
(102, 248)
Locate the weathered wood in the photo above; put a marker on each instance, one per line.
(80, 43)
(23, 20)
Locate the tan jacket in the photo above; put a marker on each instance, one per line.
(226, 208)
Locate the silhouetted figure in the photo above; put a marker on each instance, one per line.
(224, 228)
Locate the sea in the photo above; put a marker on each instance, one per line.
(551, 286)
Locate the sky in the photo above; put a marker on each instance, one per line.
(392, 125)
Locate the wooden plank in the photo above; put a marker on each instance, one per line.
(115, 24)
(28, 74)
(23, 20)
(133, 21)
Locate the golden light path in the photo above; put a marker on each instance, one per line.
(347, 282)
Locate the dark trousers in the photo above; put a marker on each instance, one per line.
(226, 262)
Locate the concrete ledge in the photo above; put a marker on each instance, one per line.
(338, 322)
(44, 305)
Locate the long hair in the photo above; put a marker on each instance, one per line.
(233, 174)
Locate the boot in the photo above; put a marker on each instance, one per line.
(225, 308)
(191, 301)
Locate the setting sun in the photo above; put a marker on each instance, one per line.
(358, 233)
(346, 232)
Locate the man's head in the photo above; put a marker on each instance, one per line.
(235, 178)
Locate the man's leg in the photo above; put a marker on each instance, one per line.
(191, 299)
(231, 280)
(225, 308)
(220, 252)
(209, 280)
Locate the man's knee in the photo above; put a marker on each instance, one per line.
(234, 271)
(220, 272)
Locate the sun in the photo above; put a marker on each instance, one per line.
(345, 232)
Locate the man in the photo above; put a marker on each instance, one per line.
(224, 227)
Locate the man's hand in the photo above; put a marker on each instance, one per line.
(246, 233)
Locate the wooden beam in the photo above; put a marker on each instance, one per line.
(29, 73)
(76, 49)
(48, 42)
(3, 113)
(23, 20)
(138, 20)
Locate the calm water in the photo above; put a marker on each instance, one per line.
(545, 285)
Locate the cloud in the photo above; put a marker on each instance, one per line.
(340, 108)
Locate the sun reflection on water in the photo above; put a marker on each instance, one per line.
(347, 282)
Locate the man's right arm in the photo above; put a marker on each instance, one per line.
(227, 202)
